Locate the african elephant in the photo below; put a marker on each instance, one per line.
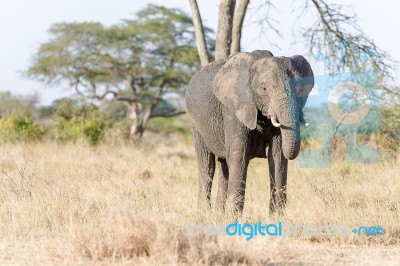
(249, 105)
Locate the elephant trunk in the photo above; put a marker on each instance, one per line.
(287, 113)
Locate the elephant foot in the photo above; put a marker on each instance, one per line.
(276, 210)
(234, 211)
(203, 203)
(277, 204)
(220, 206)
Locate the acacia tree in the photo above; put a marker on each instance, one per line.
(334, 35)
(136, 62)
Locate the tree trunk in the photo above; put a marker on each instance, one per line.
(145, 116)
(139, 115)
(224, 33)
(238, 19)
(199, 33)
(134, 116)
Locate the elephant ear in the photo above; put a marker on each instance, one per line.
(307, 78)
(232, 88)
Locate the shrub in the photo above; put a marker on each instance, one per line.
(93, 130)
(388, 138)
(79, 122)
(20, 127)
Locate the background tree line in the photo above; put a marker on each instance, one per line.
(75, 120)
(123, 73)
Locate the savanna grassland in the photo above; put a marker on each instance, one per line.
(72, 204)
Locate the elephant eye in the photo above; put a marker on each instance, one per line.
(263, 91)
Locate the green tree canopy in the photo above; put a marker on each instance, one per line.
(136, 61)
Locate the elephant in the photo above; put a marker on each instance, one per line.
(247, 106)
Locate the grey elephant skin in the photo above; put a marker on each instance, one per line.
(247, 106)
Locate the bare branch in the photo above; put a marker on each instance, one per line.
(238, 19)
(168, 114)
(157, 99)
(337, 38)
(94, 95)
(265, 21)
(199, 33)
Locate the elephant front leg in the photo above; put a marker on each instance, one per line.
(238, 160)
(278, 175)
(206, 169)
(222, 186)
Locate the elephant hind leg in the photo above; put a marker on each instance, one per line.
(222, 185)
(206, 170)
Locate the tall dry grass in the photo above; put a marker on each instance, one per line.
(125, 204)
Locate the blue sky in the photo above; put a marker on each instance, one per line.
(24, 25)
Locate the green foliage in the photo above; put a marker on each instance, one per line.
(79, 122)
(388, 138)
(156, 49)
(136, 61)
(167, 126)
(385, 136)
(20, 127)
(93, 130)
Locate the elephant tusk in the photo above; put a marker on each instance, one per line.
(274, 122)
(306, 124)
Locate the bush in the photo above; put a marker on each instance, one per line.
(388, 138)
(93, 130)
(79, 122)
(20, 127)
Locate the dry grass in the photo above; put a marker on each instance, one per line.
(76, 205)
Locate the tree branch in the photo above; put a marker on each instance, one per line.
(168, 114)
(238, 19)
(336, 36)
(199, 33)
(96, 96)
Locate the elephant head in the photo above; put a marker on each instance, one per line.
(256, 83)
